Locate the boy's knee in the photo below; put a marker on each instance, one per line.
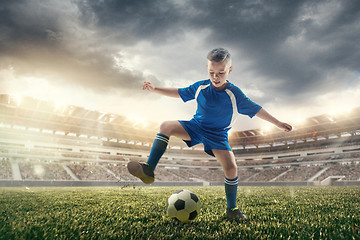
(231, 171)
(233, 168)
(166, 128)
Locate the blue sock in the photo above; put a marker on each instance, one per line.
(231, 191)
(157, 150)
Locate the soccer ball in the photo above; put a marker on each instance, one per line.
(183, 206)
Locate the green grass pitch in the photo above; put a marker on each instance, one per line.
(139, 213)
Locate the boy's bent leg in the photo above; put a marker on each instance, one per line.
(145, 171)
(157, 150)
(167, 129)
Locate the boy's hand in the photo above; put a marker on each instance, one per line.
(286, 127)
(148, 86)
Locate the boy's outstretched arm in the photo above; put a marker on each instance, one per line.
(170, 92)
(263, 114)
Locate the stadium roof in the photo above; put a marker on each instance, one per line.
(68, 118)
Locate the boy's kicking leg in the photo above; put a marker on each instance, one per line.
(227, 161)
(145, 171)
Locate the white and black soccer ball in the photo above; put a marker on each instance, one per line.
(183, 206)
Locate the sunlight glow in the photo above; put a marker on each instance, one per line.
(137, 122)
(17, 99)
(266, 129)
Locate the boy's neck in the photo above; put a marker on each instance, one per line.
(222, 87)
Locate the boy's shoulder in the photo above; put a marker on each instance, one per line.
(235, 89)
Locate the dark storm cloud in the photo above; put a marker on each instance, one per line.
(47, 39)
(130, 21)
(260, 29)
(293, 44)
(19, 27)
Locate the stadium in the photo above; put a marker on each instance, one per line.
(45, 144)
(63, 175)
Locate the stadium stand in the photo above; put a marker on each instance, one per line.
(5, 169)
(40, 141)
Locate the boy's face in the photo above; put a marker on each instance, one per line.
(218, 72)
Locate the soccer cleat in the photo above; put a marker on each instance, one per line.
(142, 171)
(236, 214)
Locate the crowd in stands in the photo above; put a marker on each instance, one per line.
(92, 167)
(120, 170)
(42, 170)
(267, 174)
(350, 171)
(245, 174)
(55, 172)
(78, 155)
(303, 173)
(90, 171)
(170, 174)
(5, 168)
(206, 174)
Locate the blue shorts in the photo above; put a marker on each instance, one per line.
(210, 139)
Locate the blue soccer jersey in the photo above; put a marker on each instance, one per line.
(217, 109)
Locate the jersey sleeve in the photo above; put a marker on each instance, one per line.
(188, 93)
(245, 106)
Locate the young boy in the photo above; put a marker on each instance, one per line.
(219, 102)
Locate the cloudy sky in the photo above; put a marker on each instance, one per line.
(295, 58)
